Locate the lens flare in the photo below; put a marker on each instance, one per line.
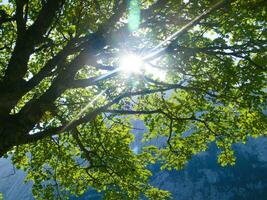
(134, 15)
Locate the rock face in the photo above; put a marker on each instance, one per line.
(202, 178)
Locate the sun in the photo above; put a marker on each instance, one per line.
(131, 64)
(134, 64)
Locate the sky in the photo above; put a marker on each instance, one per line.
(3, 1)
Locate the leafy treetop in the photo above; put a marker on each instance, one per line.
(66, 100)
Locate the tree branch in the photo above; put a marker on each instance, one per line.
(21, 25)
(134, 112)
(90, 116)
(17, 66)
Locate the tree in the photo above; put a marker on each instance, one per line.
(74, 73)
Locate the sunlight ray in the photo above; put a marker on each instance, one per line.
(85, 108)
(156, 50)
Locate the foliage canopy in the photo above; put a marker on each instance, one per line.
(66, 104)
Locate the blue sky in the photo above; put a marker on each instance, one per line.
(3, 1)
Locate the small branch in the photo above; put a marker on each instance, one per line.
(80, 144)
(104, 28)
(134, 112)
(170, 134)
(4, 17)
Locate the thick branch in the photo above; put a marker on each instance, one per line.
(25, 43)
(13, 82)
(52, 63)
(21, 26)
(32, 112)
